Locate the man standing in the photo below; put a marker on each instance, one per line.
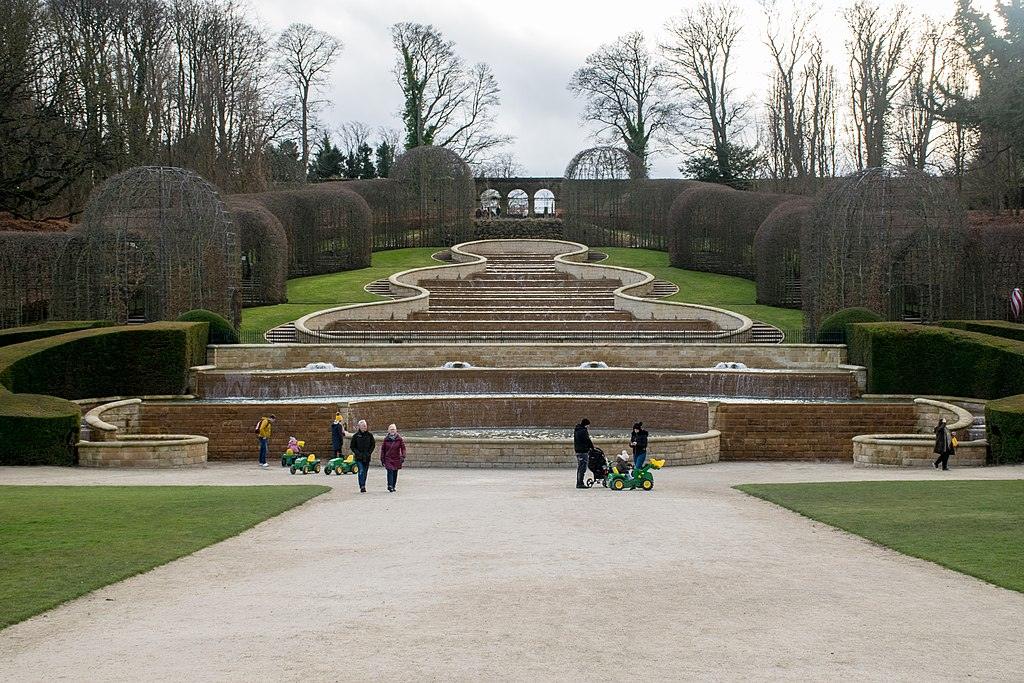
(638, 441)
(582, 444)
(362, 446)
(263, 430)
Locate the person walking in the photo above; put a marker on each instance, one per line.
(943, 444)
(582, 445)
(362, 445)
(392, 455)
(638, 442)
(338, 435)
(263, 430)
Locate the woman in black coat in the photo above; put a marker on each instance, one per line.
(943, 444)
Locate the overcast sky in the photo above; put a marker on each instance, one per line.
(533, 46)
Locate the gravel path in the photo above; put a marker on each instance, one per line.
(516, 575)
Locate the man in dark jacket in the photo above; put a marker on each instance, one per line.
(638, 441)
(582, 444)
(362, 446)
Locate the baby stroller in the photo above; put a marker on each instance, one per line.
(598, 465)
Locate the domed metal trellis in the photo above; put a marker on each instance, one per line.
(598, 190)
(888, 239)
(438, 193)
(154, 242)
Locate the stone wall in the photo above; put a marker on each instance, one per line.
(804, 431)
(912, 450)
(771, 356)
(698, 449)
(145, 451)
(111, 421)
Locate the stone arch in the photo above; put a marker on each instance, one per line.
(518, 203)
(490, 201)
(544, 202)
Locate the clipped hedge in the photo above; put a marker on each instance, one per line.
(17, 335)
(37, 430)
(221, 331)
(902, 358)
(996, 328)
(834, 329)
(1004, 421)
(110, 361)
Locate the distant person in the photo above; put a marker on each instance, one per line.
(638, 442)
(362, 445)
(263, 430)
(392, 455)
(338, 435)
(943, 444)
(582, 445)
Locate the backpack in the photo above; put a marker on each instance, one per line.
(258, 425)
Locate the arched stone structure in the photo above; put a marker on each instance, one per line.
(531, 186)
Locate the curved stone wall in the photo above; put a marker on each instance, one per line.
(113, 442)
(912, 450)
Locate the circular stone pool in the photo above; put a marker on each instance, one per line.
(524, 433)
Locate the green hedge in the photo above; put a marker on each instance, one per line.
(919, 359)
(37, 430)
(1004, 421)
(997, 328)
(17, 335)
(221, 331)
(110, 361)
(834, 329)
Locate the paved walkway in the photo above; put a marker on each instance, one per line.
(513, 575)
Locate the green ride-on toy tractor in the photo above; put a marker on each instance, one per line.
(342, 465)
(290, 456)
(634, 479)
(305, 464)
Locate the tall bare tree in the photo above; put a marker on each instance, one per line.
(801, 103)
(447, 103)
(698, 54)
(305, 56)
(625, 93)
(878, 46)
(917, 128)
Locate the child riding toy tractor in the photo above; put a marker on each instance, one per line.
(342, 465)
(636, 478)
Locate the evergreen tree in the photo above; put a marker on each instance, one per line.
(351, 165)
(741, 164)
(364, 161)
(328, 162)
(285, 162)
(996, 52)
(385, 159)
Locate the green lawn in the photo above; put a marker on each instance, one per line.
(709, 289)
(60, 542)
(314, 293)
(974, 527)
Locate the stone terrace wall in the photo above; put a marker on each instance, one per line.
(270, 356)
(804, 431)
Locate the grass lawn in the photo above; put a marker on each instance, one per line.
(309, 294)
(60, 542)
(709, 289)
(974, 527)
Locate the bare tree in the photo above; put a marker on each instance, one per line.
(352, 134)
(447, 104)
(801, 104)
(917, 129)
(305, 56)
(958, 140)
(877, 45)
(625, 93)
(503, 165)
(698, 56)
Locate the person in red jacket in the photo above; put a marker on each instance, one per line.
(392, 455)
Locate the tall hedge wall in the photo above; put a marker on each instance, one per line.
(1004, 420)
(997, 328)
(917, 359)
(17, 335)
(37, 430)
(110, 361)
(264, 248)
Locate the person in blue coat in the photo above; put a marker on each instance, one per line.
(338, 435)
